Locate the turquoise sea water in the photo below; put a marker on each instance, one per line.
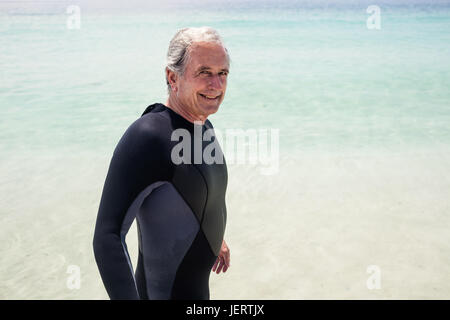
(318, 74)
(364, 120)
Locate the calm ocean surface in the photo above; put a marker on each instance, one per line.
(316, 72)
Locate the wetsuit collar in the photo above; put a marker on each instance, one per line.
(180, 120)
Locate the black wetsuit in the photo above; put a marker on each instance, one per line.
(179, 208)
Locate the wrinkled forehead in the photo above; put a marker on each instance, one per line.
(211, 54)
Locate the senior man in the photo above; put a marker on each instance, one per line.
(179, 206)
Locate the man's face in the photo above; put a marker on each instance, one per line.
(201, 89)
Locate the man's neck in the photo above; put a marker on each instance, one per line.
(184, 112)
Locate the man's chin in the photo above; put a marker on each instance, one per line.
(210, 109)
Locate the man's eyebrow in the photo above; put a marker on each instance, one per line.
(202, 68)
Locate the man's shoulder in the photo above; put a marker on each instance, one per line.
(150, 126)
(155, 117)
(154, 108)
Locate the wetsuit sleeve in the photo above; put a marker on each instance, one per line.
(135, 164)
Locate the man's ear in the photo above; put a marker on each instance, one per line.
(171, 78)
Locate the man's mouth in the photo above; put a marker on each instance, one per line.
(210, 97)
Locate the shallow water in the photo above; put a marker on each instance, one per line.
(364, 123)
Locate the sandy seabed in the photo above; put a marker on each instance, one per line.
(311, 231)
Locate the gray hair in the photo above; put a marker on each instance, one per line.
(178, 53)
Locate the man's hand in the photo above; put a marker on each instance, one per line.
(223, 260)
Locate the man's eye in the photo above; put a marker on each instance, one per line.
(223, 73)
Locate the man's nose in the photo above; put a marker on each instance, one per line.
(216, 82)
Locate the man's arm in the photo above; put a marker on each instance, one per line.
(133, 167)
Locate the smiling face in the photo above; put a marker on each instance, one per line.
(201, 88)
